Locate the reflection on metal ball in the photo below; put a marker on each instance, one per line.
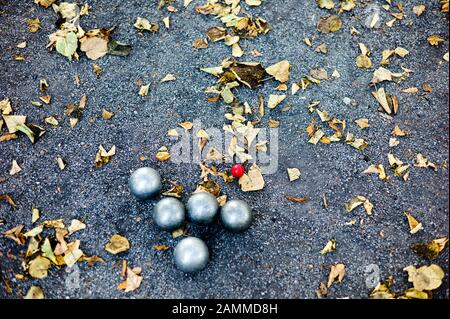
(169, 214)
(202, 208)
(236, 216)
(191, 255)
(145, 183)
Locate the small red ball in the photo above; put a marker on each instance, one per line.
(238, 170)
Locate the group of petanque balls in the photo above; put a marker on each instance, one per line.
(191, 254)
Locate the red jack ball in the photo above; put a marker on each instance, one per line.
(238, 170)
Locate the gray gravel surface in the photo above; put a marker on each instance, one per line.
(279, 256)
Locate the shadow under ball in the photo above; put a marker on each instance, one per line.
(169, 214)
(145, 183)
(236, 216)
(202, 208)
(191, 255)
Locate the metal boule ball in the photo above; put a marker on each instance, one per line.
(169, 214)
(191, 255)
(236, 216)
(202, 208)
(145, 183)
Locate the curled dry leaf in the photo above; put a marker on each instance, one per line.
(377, 169)
(133, 280)
(329, 247)
(337, 273)
(15, 168)
(434, 40)
(280, 71)
(426, 277)
(38, 267)
(358, 201)
(253, 180)
(275, 100)
(329, 24)
(432, 249)
(117, 244)
(35, 292)
(103, 157)
(383, 290)
(293, 173)
(163, 154)
(414, 224)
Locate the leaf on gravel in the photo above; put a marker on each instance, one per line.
(280, 71)
(35, 292)
(176, 191)
(419, 9)
(434, 40)
(275, 100)
(163, 154)
(250, 74)
(35, 214)
(383, 290)
(107, 115)
(253, 180)
(316, 137)
(73, 253)
(358, 201)
(5, 107)
(75, 225)
(168, 77)
(253, 3)
(329, 24)
(51, 120)
(161, 247)
(47, 251)
(133, 280)
(380, 96)
(15, 168)
(44, 3)
(117, 244)
(362, 123)
(216, 71)
(329, 247)
(426, 277)
(15, 234)
(12, 121)
(94, 47)
(358, 143)
(186, 125)
(293, 173)
(143, 91)
(296, 199)
(377, 169)
(34, 25)
(432, 249)
(325, 4)
(103, 157)
(337, 273)
(119, 48)
(399, 132)
(423, 162)
(414, 224)
(144, 24)
(38, 267)
(34, 231)
(67, 45)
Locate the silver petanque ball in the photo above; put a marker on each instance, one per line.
(169, 214)
(145, 183)
(191, 255)
(236, 216)
(202, 208)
